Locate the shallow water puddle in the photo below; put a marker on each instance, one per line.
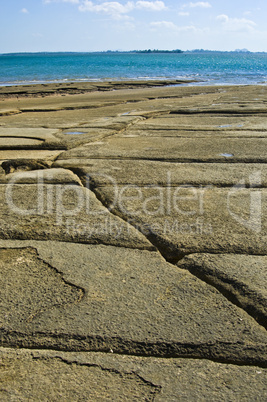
(227, 155)
(75, 132)
(230, 125)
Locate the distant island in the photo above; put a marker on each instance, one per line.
(158, 51)
(149, 51)
(220, 51)
(146, 51)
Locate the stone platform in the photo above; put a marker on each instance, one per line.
(133, 234)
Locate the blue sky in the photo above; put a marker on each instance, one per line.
(82, 25)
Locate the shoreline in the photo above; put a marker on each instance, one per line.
(78, 88)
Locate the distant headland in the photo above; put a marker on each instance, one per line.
(158, 51)
(145, 51)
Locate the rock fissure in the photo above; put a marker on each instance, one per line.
(219, 352)
(173, 257)
(95, 365)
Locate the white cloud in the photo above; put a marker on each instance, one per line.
(24, 11)
(112, 8)
(171, 26)
(61, 1)
(163, 24)
(151, 5)
(201, 4)
(117, 10)
(236, 24)
(183, 14)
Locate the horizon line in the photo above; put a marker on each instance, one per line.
(133, 51)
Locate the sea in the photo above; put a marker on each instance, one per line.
(207, 68)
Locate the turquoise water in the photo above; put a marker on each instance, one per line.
(208, 68)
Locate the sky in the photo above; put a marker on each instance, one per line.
(84, 26)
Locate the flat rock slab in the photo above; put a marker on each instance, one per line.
(194, 133)
(63, 212)
(24, 143)
(115, 123)
(175, 149)
(61, 119)
(43, 134)
(19, 266)
(59, 105)
(76, 136)
(32, 138)
(102, 377)
(231, 108)
(8, 111)
(103, 172)
(102, 117)
(47, 155)
(99, 298)
(45, 176)
(242, 277)
(205, 121)
(183, 220)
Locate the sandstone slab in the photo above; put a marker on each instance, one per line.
(175, 149)
(85, 274)
(49, 377)
(243, 278)
(76, 136)
(63, 212)
(103, 172)
(194, 219)
(45, 176)
(127, 301)
(114, 123)
(46, 155)
(191, 133)
(46, 375)
(61, 119)
(28, 138)
(102, 117)
(41, 134)
(205, 122)
(8, 111)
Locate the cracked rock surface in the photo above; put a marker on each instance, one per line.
(130, 301)
(133, 242)
(97, 377)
